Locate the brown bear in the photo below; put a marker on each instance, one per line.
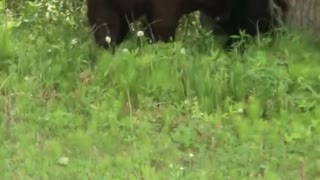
(252, 16)
(111, 18)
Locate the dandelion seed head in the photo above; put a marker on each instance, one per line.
(108, 39)
(74, 41)
(125, 50)
(183, 51)
(140, 33)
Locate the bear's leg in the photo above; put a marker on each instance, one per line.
(164, 22)
(164, 30)
(107, 25)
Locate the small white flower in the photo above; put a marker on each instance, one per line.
(63, 161)
(240, 110)
(125, 50)
(108, 39)
(171, 165)
(183, 51)
(74, 41)
(191, 155)
(181, 168)
(140, 33)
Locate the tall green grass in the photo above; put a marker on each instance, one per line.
(182, 110)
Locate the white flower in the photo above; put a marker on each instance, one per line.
(63, 161)
(140, 33)
(171, 165)
(183, 51)
(181, 168)
(191, 155)
(240, 110)
(125, 50)
(108, 39)
(74, 41)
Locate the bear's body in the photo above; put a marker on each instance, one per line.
(112, 17)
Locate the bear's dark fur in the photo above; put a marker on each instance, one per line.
(252, 16)
(112, 17)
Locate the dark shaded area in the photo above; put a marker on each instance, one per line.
(251, 16)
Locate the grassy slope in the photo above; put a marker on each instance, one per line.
(154, 112)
